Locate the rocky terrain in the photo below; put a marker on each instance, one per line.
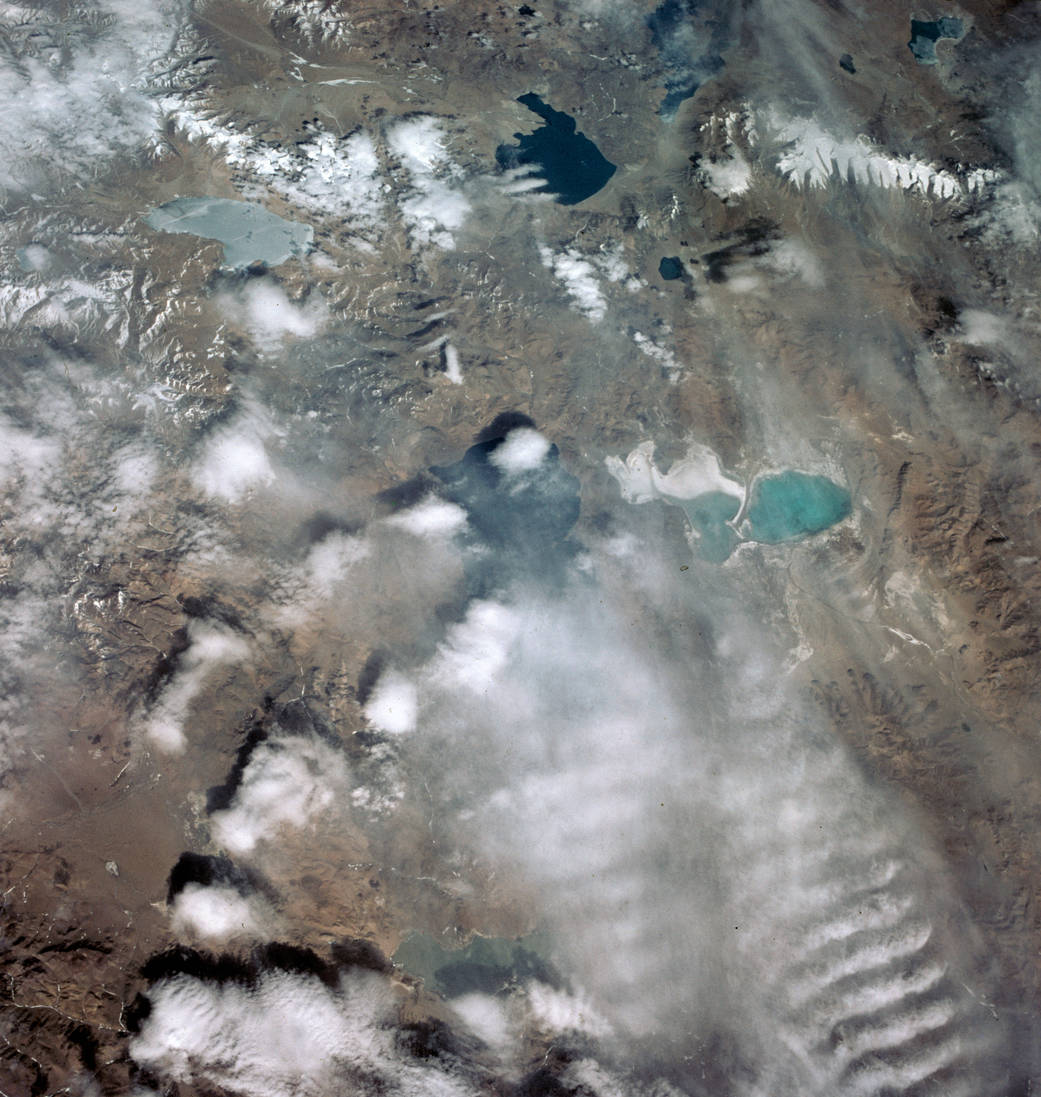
(334, 612)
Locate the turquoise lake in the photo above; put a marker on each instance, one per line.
(708, 514)
(794, 504)
(248, 232)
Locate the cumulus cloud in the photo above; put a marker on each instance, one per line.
(727, 172)
(579, 278)
(435, 209)
(290, 781)
(453, 370)
(287, 1035)
(534, 1010)
(217, 914)
(266, 312)
(431, 518)
(562, 1012)
(210, 647)
(324, 172)
(573, 753)
(660, 354)
(234, 460)
(392, 707)
(25, 455)
(523, 451)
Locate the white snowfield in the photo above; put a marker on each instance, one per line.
(812, 157)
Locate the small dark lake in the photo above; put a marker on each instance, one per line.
(573, 167)
(670, 267)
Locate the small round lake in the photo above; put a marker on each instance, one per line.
(670, 267)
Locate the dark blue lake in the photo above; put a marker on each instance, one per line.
(573, 167)
(926, 33)
(670, 267)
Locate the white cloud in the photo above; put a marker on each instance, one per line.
(135, 470)
(26, 455)
(210, 647)
(795, 258)
(35, 257)
(435, 214)
(289, 1035)
(612, 263)
(452, 370)
(523, 451)
(394, 704)
(561, 1012)
(216, 914)
(336, 177)
(235, 460)
(332, 559)
(487, 1018)
(264, 309)
(74, 93)
(434, 210)
(326, 173)
(984, 328)
(419, 144)
(579, 278)
(659, 353)
(727, 174)
(289, 782)
(431, 518)
(476, 650)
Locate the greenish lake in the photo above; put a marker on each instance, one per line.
(794, 504)
(248, 232)
(487, 965)
(708, 514)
